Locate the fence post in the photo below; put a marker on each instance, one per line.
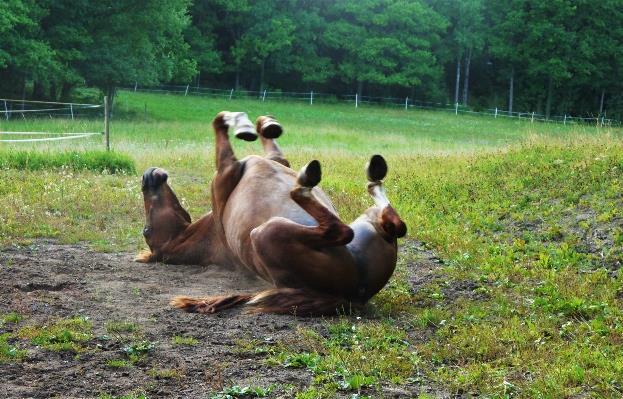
(496, 112)
(6, 111)
(186, 92)
(264, 95)
(406, 103)
(356, 100)
(456, 108)
(106, 123)
(311, 98)
(564, 121)
(532, 119)
(135, 85)
(231, 93)
(71, 108)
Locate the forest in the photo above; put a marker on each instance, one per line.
(552, 57)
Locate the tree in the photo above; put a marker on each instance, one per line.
(135, 42)
(384, 42)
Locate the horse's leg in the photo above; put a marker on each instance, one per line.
(269, 130)
(387, 222)
(228, 169)
(165, 218)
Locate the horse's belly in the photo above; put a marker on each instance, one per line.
(262, 193)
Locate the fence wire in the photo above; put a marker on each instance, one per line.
(407, 103)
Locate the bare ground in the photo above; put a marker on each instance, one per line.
(47, 281)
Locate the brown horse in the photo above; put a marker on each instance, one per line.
(277, 224)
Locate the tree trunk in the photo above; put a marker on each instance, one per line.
(53, 91)
(37, 91)
(548, 104)
(262, 70)
(458, 80)
(468, 61)
(66, 91)
(601, 102)
(511, 89)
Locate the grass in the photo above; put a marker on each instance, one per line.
(62, 335)
(184, 341)
(526, 219)
(98, 161)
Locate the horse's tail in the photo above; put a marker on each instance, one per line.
(295, 301)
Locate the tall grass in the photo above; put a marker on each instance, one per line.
(97, 161)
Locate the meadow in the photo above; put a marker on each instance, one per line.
(524, 221)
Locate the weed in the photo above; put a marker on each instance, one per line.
(8, 352)
(119, 327)
(182, 340)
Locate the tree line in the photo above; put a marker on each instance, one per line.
(552, 57)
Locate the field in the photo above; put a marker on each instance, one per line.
(508, 282)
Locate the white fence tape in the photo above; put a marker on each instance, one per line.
(65, 136)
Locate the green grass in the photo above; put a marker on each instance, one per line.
(525, 217)
(121, 326)
(10, 352)
(184, 341)
(61, 335)
(98, 161)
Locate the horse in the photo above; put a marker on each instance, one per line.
(276, 223)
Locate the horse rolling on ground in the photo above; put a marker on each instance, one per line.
(279, 225)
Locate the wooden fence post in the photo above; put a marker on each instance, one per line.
(231, 93)
(186, 92)
(356, 100)
(107, 123)
(406, 103)
(311, 98)
(456, 108)
(6, 111)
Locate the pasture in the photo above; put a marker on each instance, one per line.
(508, 282)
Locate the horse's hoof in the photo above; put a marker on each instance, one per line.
(154, 178)
(310, 174)
(268, 127)
(242, 126)
(376, 169)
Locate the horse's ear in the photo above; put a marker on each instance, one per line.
(376, 169)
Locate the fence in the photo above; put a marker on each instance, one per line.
(23, 109)
(407, 103)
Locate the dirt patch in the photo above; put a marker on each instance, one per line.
(47, 281)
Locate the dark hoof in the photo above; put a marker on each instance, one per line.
(269, 127)
(310, 174)
(154, 178)
(376, 169)
(245, 134)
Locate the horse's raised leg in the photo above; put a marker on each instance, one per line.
(228, 169)
(269, 130)
(165, 218)
(387, 222)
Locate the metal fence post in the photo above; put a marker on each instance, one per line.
(231, 93)
(186, 92)
(135, 86)
(496, 112)
(532, 119)
(311, 98)
(456, 108)
(71, 108)
(264, 95)
(6, 111)
(356, 100)
(564, 121)
(406, 103)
